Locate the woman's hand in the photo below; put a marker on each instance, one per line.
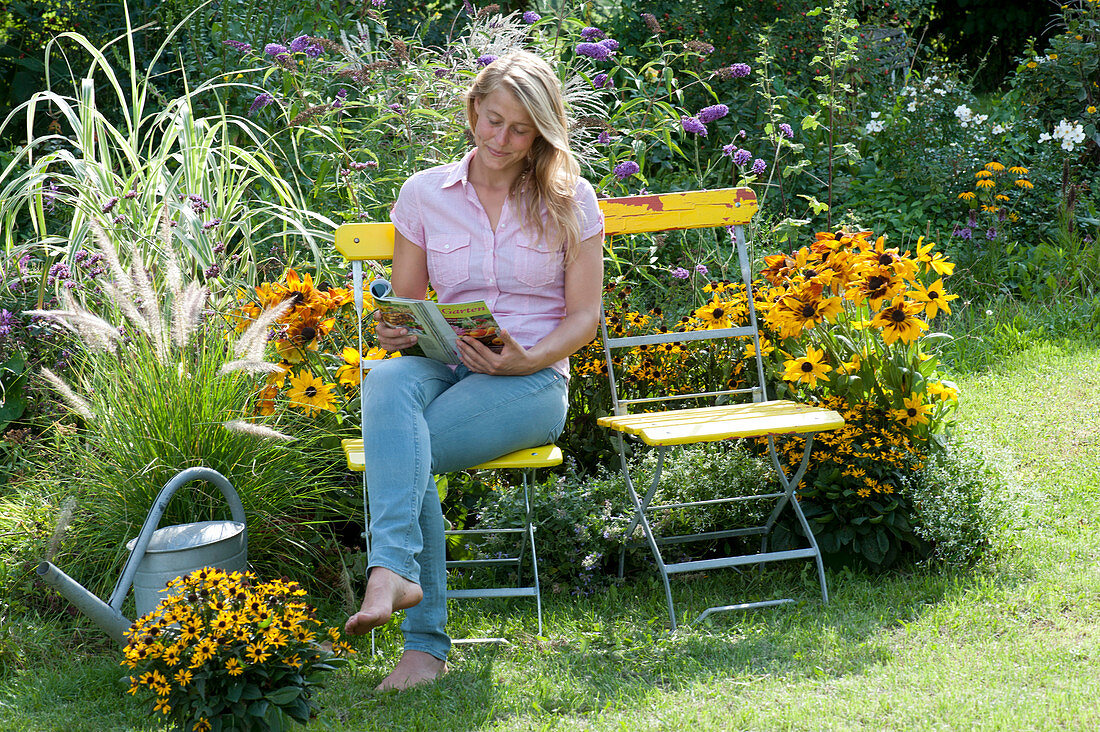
(391, 338)
(513, 359)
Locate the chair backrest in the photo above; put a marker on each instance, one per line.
(729, 207)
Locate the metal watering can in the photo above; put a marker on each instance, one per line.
(158, 556)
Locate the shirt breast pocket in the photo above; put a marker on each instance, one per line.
(537, 265)
(448, 259)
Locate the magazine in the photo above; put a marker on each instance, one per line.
(437, 326)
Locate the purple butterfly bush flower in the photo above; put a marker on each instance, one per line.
(110, 204)
(531, 17)
(693, 125)
(275, 49)
(604, 138)
(964, 232)
(601, 80)
(262, 100)
(8, 321)
(701, 269)
(786, 130)
(593, 50)
(741, 157)
(680, 273)
(759, 166)
(483, 61)
(590, 33)
(300, 44)
(713, 112)
(991, 234)
(625, 169)
(59, 271)
(610, 44)
(738, 71)
(239, 45)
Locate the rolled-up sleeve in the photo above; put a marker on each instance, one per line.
(406, 215)
(589, 208)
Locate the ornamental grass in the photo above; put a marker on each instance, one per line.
(222, 652)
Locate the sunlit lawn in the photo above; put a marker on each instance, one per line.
(1011, 645)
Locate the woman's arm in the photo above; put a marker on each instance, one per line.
(409, 278)
(583, 292)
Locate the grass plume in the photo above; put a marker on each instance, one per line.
(256, 430)
(70, 397)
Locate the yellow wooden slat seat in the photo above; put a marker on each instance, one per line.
(546, 456)
(708, 424)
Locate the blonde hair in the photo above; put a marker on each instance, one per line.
(550, 176)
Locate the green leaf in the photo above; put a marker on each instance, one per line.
(251, 691)
(284, 695)
(234, 692)
(299, 710)
(259, 708)
(870, 548)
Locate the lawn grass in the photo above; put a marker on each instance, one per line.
(1013, 644)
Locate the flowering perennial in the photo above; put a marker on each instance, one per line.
(219, 642)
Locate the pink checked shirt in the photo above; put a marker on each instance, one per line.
(521, 279)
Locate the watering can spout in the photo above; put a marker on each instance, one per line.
(113, 622)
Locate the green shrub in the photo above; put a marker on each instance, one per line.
(581, 517)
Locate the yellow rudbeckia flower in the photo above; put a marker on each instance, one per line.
(809, 368)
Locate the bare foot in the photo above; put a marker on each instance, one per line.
(414, 668)
(385, 593)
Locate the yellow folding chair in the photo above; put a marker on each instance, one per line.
(365, 242)
(663, 426)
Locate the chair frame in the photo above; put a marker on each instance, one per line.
(732, 208)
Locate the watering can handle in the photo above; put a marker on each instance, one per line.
(160, 505)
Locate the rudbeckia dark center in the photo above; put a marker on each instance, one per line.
(809, 310)
(718, 313)
(911, 412)
(308, 333)
(898, 315)
(886, 259)
(875, 282)
(311, 391)
(807, 367)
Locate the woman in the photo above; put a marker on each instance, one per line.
(514, 224)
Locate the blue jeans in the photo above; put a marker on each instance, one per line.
(421, 418)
